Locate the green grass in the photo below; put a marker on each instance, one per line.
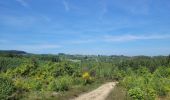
(71, 93)
(118, 93)
(164, 98)
(76, 91)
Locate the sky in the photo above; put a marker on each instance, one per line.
(106, 27)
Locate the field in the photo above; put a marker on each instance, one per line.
(25, 76)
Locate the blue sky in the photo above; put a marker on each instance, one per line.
(128, 27)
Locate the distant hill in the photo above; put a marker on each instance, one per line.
(12, 52)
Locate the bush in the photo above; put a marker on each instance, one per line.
(23, 70)
(78, 81)
(6, 88)
(150, 94)
(161, 86)
(28, 84)
(7, 63)
(87, 78)
(162, 72)
(61, 84)
(118, 74)
(64, 68)
(136, 93)
(128, 82)
(22, 84)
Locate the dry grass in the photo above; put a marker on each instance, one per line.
(72, 93)
(118, 93)
(164, 98)
(76, 91)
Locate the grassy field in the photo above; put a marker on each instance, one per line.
(118, 93)
(33, 76)
(65, 95)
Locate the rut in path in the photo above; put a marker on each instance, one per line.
(98, 94)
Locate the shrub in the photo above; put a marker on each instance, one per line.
(6, 88)
(28, 84)
(7, 63)
(118, 74)
(78, 81)
(86, 76)
(150, 94)
(161, 86)
(128, 82)
(35, 84)
(162, 72)
(61, 84)
(136, 93)
(64, 68)
(22, 70)
(21, 84)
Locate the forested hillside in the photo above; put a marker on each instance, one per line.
(35, 76)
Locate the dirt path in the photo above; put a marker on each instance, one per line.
(98, 94)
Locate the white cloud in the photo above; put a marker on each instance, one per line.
(23, 3)
(25, 21)
(2, 41)
(66, 5)
(83, 41)
(122, 38)
(104, 9)
(31, 47)
(38, 46)
(18, 21)
(116, 38)
(46, 18)
(141, 7)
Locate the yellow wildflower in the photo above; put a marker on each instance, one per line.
(86, 76)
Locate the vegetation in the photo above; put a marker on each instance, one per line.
(58, 76)
(6, 88)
